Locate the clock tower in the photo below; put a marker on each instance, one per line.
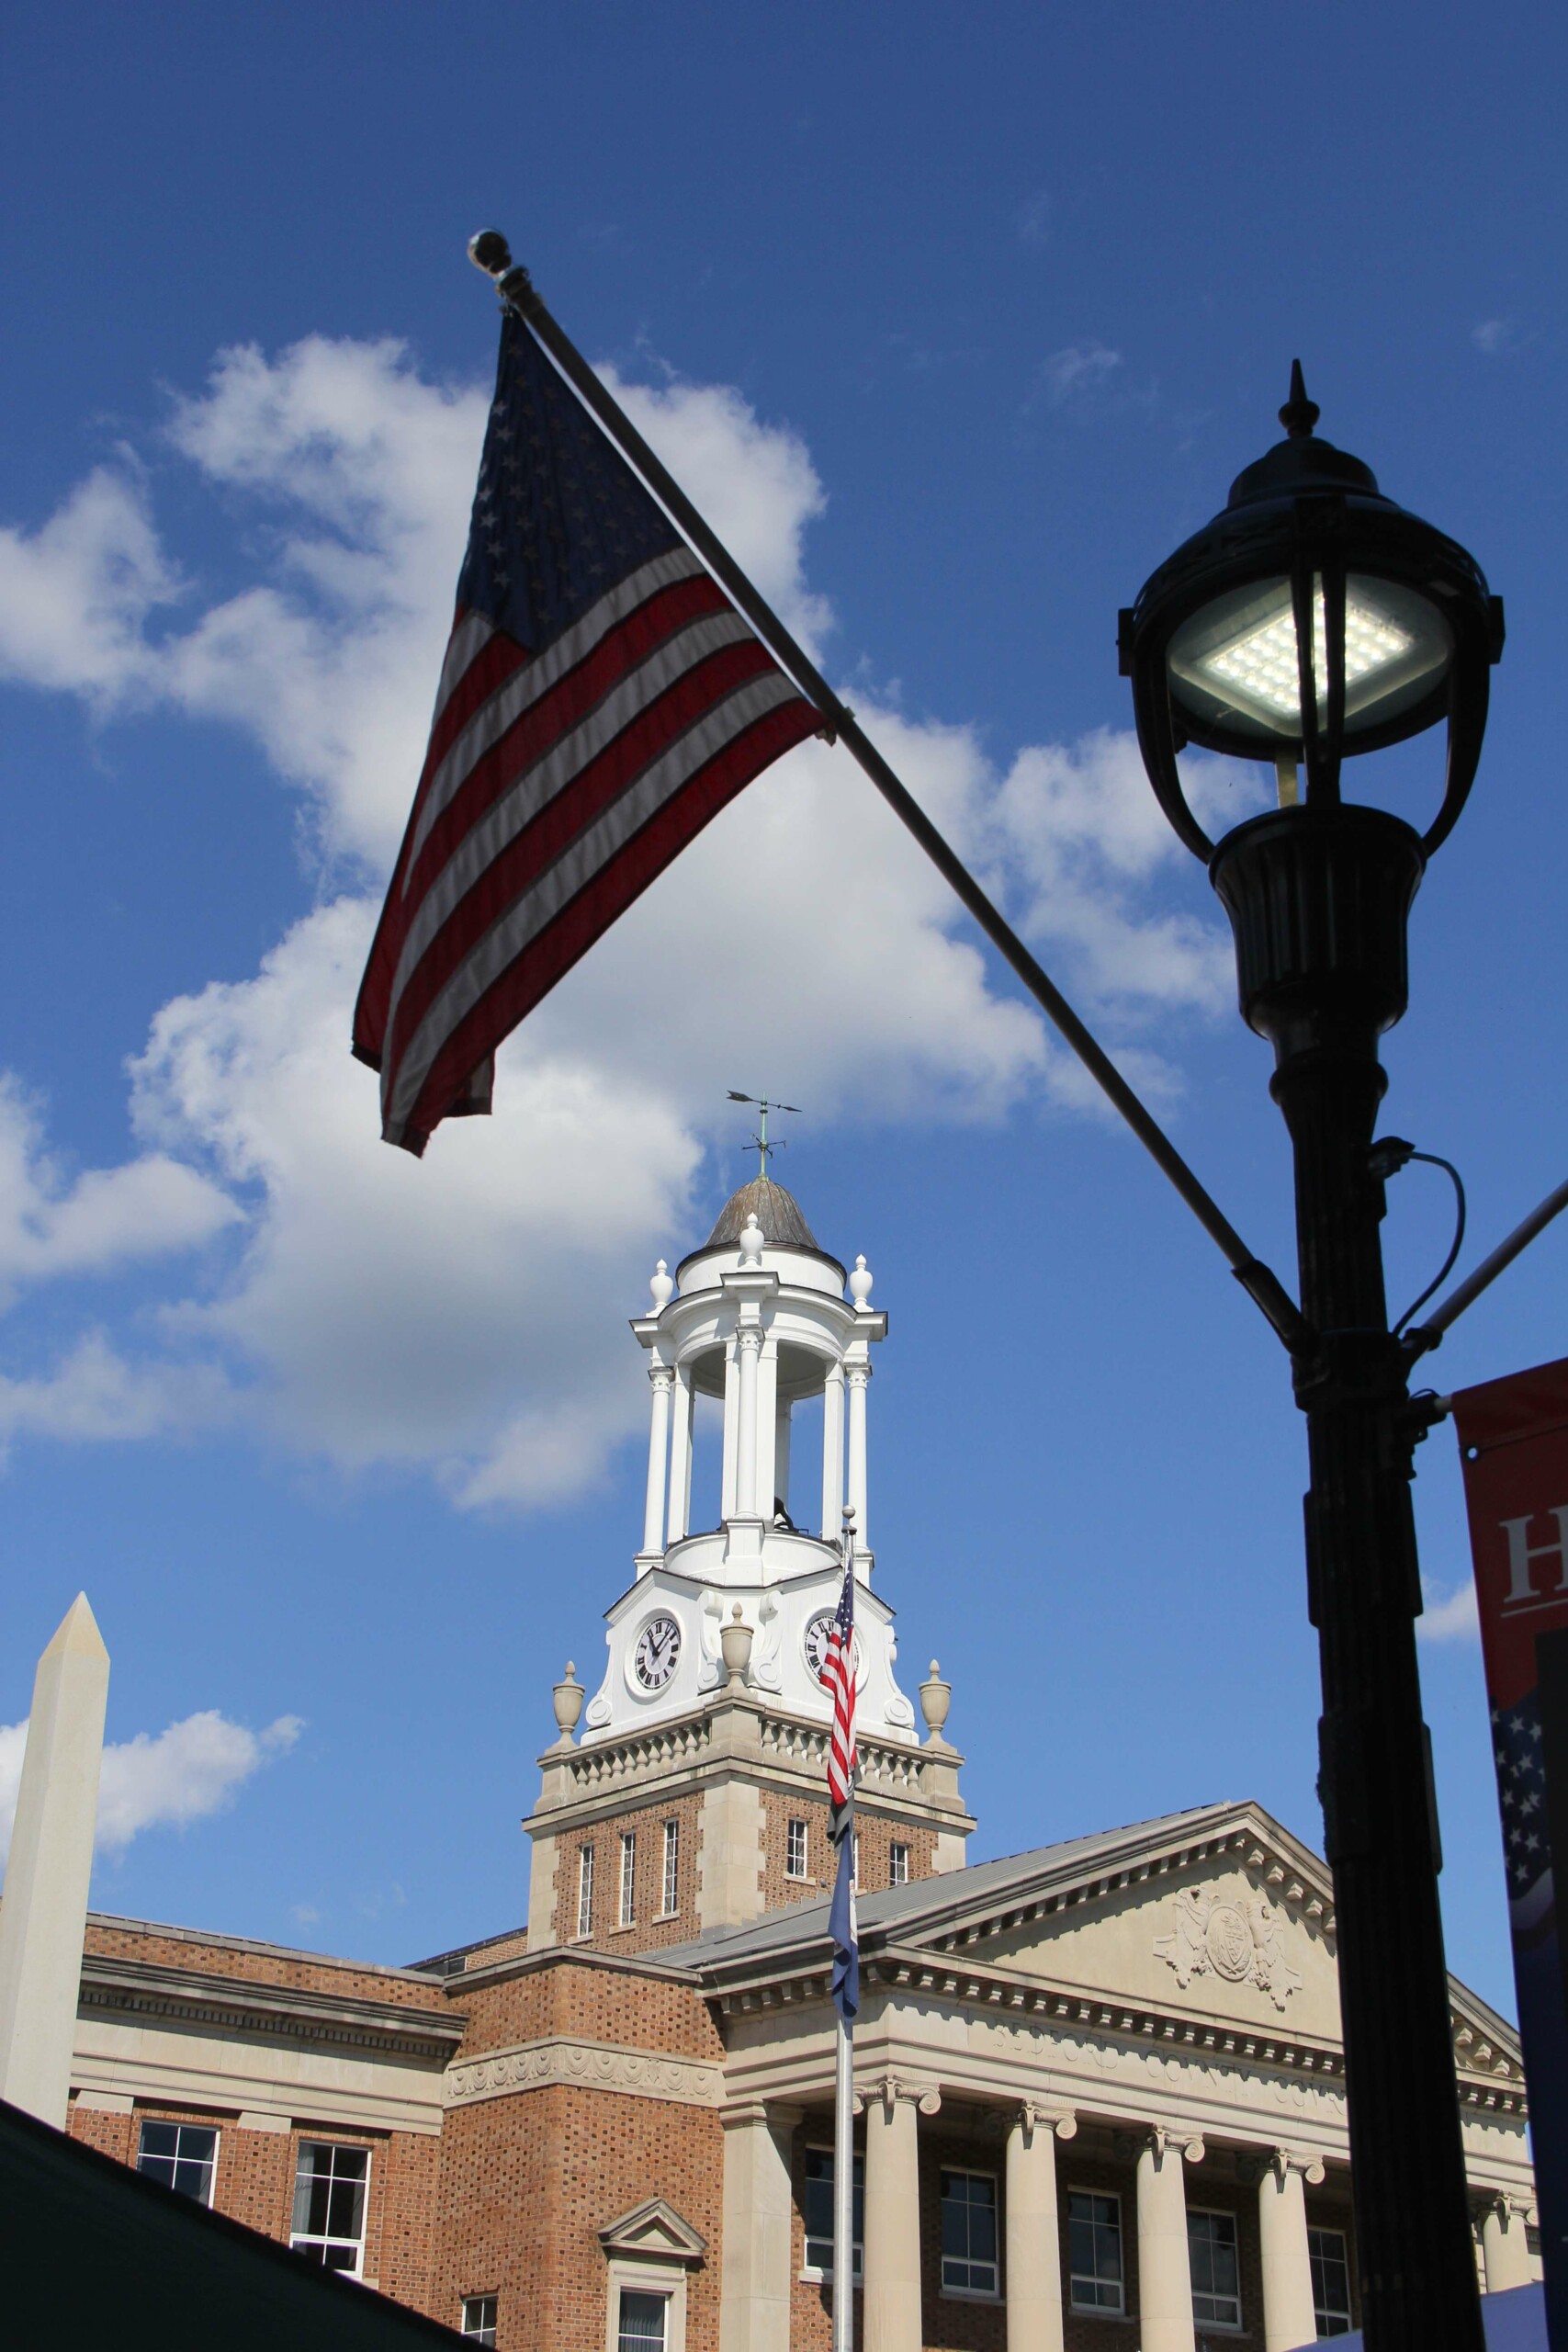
(694, 1793)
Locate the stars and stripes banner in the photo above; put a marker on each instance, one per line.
(600, 701)
(839, 1675)
(1513, 1438)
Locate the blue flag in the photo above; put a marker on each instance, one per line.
(845, 1982)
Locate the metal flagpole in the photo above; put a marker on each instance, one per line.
(490, 253)
(844, 2091)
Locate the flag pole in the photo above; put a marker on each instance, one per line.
(844, 2094)
(490, 253)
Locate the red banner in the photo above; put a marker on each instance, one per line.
(1513, 1438)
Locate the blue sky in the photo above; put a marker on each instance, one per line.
(955, 322)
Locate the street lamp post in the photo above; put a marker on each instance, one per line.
(1311, 621)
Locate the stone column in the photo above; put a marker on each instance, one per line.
(1288, 2317)
(1504, 2248)
(858, 1378)
(43, 1919)
(893, 2216)
(753, 2309)
(749, 1347)
(731, 1427)
(1032, 2277)
(1165, 2275)
(680, 1455)
(833, 1454)
(662, 1380)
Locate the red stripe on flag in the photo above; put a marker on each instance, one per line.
(535, 848)
(614, 889)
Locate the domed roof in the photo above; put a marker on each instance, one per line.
(776, 1210)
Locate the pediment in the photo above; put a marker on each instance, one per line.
(654, 2230)
(1234, 1927)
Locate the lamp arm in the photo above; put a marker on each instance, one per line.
(1429, 1334)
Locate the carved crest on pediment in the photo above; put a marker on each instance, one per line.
(1239, 1942)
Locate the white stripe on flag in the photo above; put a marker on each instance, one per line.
(554, 769)
(525, 686)
(593, 850)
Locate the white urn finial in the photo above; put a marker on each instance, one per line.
(936, 1697)
(735, 1641)
(860, 1285)
(752, 1242)
(661, 1285)
(568, 1695)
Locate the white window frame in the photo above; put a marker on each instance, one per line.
(797, 1847)
(993, 2293)
(178, 2124)
(1097, 2309)
(821, 2273)
(298, 2238)
(628, 1879)
(584, 1891)
(671, 1870)
(897, 1864)
(1211, 2325)
(1330, 2324)
(632, 2276)
(473, 2305)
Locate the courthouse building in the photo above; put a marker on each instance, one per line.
(1101, 2085)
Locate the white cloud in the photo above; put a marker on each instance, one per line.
(464, 1315)
(104, 1217)
(193, 1768)
(75, 596)
(1079, 368)
(94, 1393)
(1498, 336)
(1450, 1617)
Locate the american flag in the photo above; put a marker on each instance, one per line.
(600, 701)
(1521, 1799)
(839, 1675)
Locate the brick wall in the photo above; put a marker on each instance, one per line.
(811, 2300)
(303, 1972)
(951, 2321)
(596, 2004)
(650, 1930)
(878, 1838)
(254, 2182)
(528, 2181)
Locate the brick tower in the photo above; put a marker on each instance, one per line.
(696, 1796)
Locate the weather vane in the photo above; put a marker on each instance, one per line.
(760, 1102)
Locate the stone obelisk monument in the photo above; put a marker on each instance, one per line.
(43, 1917)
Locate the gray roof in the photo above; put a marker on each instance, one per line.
(776, 1210)
(898, 1911)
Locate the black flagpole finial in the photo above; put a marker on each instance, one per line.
(1299, 414)
(490, 252)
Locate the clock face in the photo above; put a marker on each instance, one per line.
(815, 1644)
(658, 1647)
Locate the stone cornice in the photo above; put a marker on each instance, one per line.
(559, 2060)
(529, 1963)
(145, 1992)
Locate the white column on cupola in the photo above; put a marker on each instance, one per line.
(680, 1454)
(857, 1370)
(747, 1348)
(833, 1452)
(662, 1380)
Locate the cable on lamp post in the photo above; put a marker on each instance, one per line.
(1312, 621)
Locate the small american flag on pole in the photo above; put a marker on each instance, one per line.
(600, 701)
(839, 1675)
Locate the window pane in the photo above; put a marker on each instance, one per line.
(180, 2155)
(1094, 2251)
(1216, 2283)
(969, 2233)
(479, 2318)
(642, 2321)
(1329, 2256)
(818, 2210)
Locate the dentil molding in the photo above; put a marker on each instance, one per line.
(586, 2065)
